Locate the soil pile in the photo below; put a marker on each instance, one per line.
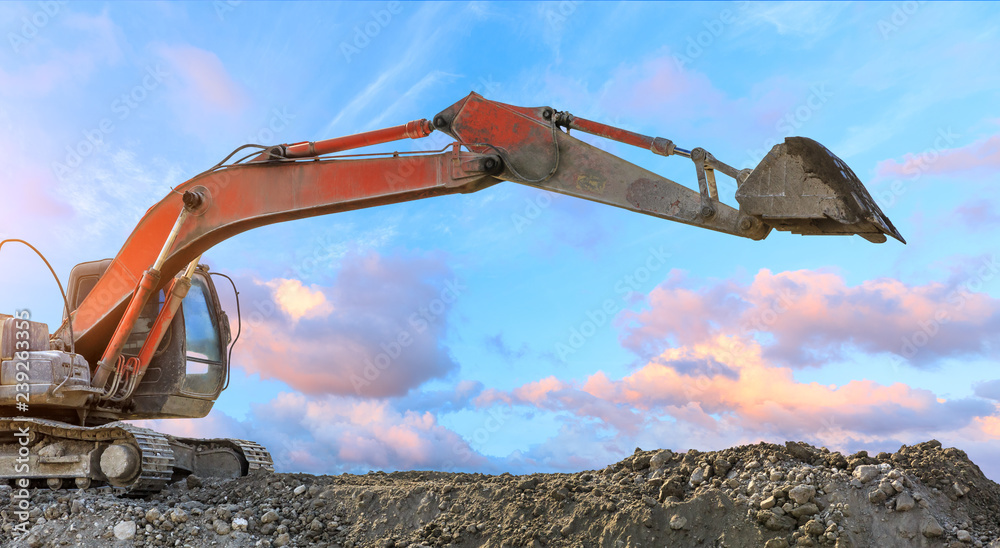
(756, 495)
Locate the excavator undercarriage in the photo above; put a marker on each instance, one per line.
(144, 336)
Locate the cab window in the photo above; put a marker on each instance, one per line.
(205, 362)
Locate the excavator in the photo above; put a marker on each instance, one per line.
(145, 337)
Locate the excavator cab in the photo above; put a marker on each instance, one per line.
(188, 370)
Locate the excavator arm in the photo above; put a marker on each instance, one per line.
(800, 186)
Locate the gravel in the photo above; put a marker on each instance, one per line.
(755, 495)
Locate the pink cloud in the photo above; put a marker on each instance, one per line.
(815, 317)
(376, 332)
(206, 84)
(762, 401)
(327, 435)
(981, 154)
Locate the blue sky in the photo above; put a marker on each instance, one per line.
(105, 107)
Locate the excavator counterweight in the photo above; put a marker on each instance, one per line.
(144, 334)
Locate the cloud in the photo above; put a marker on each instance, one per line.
(982, 155)
(745, 399)
(202, 84)
(989, 390)
(298, 301)
(330, 435)
(376, 332)
(813, 317)
(496, 343)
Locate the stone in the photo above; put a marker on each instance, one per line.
(221, 527)
(814, 527)
(677, 522)
(269, 517)
(802, 493)
(660, 459)
(152, 515)
(193, 482)
(282, 540)
(876, 496)
(930, 527)
(178, 516)
(904, 502)
(807, 509)
(780, 542)
(299, 490)
(866, 472)
(767, 503)
(963, 535)
(698, 476)
(125, 530)
(240, 524)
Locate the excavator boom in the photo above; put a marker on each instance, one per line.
(145, 336)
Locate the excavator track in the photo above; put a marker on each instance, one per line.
(59, 452)
(258, 458)
(156, 458)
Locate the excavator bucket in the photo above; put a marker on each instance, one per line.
(802, 187)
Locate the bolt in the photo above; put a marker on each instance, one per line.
(439, 121)
(547, 114)
(193, 200)
(746, 223)
(490, 163)
(707, 211)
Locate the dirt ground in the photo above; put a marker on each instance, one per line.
(756, 495)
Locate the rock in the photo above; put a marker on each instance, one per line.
(876, 496)
(125, 530)
(660, 459)
(930, 527)
(152, 515)
(802, 493)
(299, 490)
(767, 503)
(178, 516)
(814, 528)
(641, 462)
(807, 509)
(283, 539)
(866, 472)
(193, 482)
(269, 517)
(775, 522)
(697, 477)
(780, 542)
(904, 502)
(963, 535)
(221, 527)
(240, 524)
(677, 522)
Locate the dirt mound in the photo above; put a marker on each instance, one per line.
(755, 495)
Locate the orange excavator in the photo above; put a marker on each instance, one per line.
(144, 335)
